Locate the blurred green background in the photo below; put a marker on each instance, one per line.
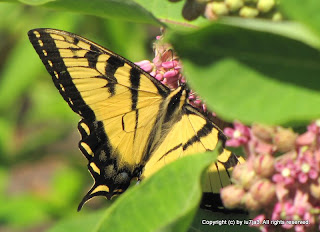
(43, 175)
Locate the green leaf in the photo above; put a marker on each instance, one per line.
(250, 75)
(172, 192)
(116, 9)
(35, 2)
(288, 29)
(167, 200)
(170, 13)
(306, 12)
(80, 222)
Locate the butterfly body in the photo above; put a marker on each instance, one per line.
(131, 124)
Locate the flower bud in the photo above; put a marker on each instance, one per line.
(306, 139)
(146, 65)
(231, 196)
(265, 5)
(219, 8)
(276, 17)
(238, 171)
(192, 9)
(263, 148)
(285, 139)
(208, 13)
(264, 165)
(234, 5)
(248, 12)
(263, 132)
(315, 189)
(250, 203)
(259, 219)
(248, 178)
(263, 191)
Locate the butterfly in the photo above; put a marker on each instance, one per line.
(131, 124)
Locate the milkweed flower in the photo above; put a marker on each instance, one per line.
(166, 67)
(239, 135)
(283, 182)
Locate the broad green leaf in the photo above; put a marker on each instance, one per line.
(306, 12)
(172, 192)
(288, 29)
(80, 222)
(116, 9)
(162, 202)
(252, 76)
(170, 13)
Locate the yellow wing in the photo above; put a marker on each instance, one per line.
(129, 119)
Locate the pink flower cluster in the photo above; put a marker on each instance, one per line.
(167, 68)
(281, 177)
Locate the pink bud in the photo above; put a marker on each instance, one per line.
(284, 139)
(306, 139)
(250, 203)
(248, 178)
(231, 196)
(146, 65)
(263, 132)
(238, 172)
(159, 77)
(263, 191)
(262, 147)
(315, 189)
(170, 64)
(264, 165)
(171, 73)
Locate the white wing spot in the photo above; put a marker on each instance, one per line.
(62, 88)
(71, 102)
(56, 75)
(37, 34)
(50, 63)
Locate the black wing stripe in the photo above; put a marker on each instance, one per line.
(204, 131)
(135, 83)
(53, 62)
(92, 56)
